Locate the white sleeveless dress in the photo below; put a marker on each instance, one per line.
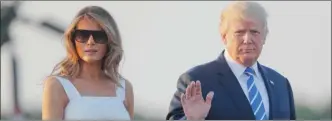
(94, 108)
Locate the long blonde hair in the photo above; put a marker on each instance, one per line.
(70, 65)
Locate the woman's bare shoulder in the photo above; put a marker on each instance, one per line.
(128, 84)
(54, 98)
(52, 86)
(51, 81)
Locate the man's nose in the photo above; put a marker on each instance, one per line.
(247, 38)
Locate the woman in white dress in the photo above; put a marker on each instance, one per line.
(86, 85)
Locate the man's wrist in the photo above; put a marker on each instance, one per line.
(195, 118)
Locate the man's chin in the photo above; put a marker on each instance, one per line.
(248, 60)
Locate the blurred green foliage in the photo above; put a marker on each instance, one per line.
(305, 113)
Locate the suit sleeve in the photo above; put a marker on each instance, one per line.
(175, 108)
(292, 104)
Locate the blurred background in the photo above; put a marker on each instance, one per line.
(161, 41)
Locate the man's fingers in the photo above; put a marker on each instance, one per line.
(183, 99)
(193, 89)
(209, 97)
(198, 88)
(188, 90)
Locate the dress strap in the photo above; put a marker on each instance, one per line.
(121, 91)
(69, 88)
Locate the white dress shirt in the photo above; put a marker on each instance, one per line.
(238, 71)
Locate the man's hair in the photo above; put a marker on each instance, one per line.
(241, 10)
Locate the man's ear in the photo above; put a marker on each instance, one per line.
(264, 39)
(223, 39)
(265, 36)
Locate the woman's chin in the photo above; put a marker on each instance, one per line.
(91, 60)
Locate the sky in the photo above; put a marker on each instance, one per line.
(162, 40)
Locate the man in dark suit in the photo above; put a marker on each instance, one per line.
(235, 85)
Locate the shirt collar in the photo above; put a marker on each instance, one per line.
(237, 68)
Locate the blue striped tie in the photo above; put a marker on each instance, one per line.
(255, 97)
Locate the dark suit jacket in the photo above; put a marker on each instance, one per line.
(229, 101)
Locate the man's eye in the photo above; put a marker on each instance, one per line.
(255, 32)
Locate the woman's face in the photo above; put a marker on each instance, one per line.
(91, 41)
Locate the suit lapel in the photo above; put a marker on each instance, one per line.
(269, 84)
(233, 88)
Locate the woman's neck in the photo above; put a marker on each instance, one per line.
(91, 71)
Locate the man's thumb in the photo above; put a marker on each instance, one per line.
(209, 97)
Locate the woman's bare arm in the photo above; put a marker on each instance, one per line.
(129, 102)
(54, 100)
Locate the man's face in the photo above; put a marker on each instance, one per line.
(244, 39)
